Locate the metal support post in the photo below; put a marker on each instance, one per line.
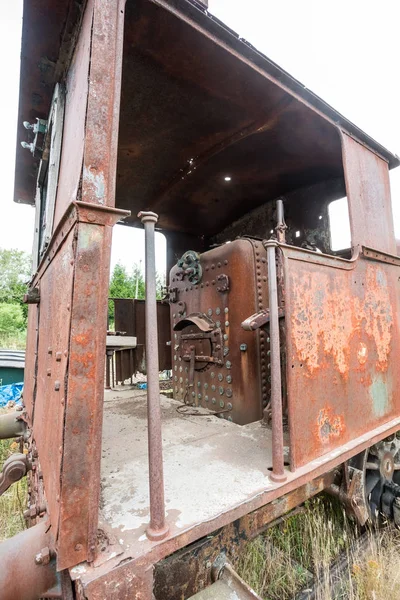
(157, 529)
(278, 470)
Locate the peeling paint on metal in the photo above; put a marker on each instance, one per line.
(329, 425)
(96, 182)
(327, 314)
(380, 396)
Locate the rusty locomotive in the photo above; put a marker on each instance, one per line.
(282, 349)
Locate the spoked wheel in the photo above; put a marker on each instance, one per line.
(381, 467)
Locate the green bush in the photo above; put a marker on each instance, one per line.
(11, 318)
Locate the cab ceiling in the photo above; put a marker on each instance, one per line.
(193, 113)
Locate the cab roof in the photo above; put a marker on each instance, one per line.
(209, 127)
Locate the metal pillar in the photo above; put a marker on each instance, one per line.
(278, 470)
(157, 529)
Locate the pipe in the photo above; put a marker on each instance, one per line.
(157, 529)
(27, 568)
(278, 469)
(281, 225)
(12, 425)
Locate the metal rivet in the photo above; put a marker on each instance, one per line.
(225, 336)
(193, 395)
(228, 364)
(180, 379)
(226, 351)
(213, 266)
(226, 310)
(217, 311)
(209, 312)
(218, 323)
(221, 403)
(176, 378)
(226, 323)
(230, 419)
(49, 350)
(229, 405)
(48, 372)
(206, 386)
(221, 390)
(57, 386)
(229, 392)
(199, 396)
(212, 374)
(58, 356)
(213, 400)
(198, 384)
(206, 398)
(243, 347)
(229, 379)
(213, 388)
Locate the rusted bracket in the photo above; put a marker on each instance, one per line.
(351, 493)
(32, 296)
(232, 585)
(14, 469)
(259, 319)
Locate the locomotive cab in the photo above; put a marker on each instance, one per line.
(283, 345)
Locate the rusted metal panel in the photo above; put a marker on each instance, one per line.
(342, 342)
(126, 582)
(80, 472)
(102, 118)
(75, 118)
(368, 191)
(129, 317)
(54, 331)
(238, 385)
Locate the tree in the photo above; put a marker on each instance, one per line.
(11, 318)
(125, 285)
(15, 272)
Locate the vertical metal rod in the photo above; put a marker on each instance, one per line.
(157, 528)
(278, 470)
(280, 225)
(108, 369)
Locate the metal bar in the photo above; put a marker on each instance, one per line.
(108, 368)
(157, 529)
(278, 471)
(12, 425)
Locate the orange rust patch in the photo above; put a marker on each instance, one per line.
(326, 314)
(329, 425)
(376, 313)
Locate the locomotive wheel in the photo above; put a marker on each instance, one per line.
(381, 467)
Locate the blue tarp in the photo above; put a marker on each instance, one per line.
(10, 392)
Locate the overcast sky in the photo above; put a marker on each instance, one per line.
(345, 51)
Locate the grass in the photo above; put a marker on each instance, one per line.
(281, 562)
(14, 501)
(15, 340)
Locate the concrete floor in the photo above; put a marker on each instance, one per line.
(210, 464)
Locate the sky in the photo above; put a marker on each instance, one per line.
(345, 51)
